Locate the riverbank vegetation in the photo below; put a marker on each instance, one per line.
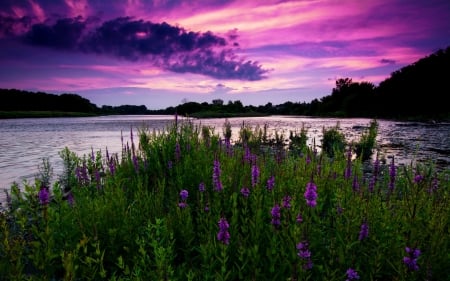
(189, 203)
(415, 92)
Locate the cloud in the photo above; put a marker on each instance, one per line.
(387, 61)
(169, 47)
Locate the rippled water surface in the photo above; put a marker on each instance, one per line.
(25, 142)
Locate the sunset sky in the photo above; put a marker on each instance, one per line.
(162, 52)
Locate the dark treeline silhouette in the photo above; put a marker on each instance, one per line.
(417, 91)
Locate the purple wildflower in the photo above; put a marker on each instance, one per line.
(308, 159)
(112, 166)
(201, 187)
(276, 215)
(434, 185)
(169, 164)
(311, 194)
(223, 235)
(418, 178)
(184, 194)
(352, 274)
(305, 254)
(255, 175)
(299, 218)
(245, 191)
(271, 183)
(364, 231)
(44, 195)
(411, 260)
(355, 183)
(392, 174)
(135, 163)
(182, 205)
(287, 202)
(216, 176)
(70, 199)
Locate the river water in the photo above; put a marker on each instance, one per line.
(25, 142)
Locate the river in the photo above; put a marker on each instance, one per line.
(25, 142)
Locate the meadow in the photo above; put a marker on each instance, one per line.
(189, 203)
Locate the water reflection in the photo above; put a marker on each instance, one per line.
(25, 142)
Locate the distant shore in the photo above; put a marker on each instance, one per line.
(42, 114)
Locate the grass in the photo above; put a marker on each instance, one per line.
(153, 212)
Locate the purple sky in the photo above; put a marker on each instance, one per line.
(162, 52)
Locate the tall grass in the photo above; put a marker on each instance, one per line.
(185, 204)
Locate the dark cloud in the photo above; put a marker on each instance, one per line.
(169, 47)
(10, 26)
(387, 61)
(64, 34)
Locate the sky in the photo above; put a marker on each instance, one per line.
(161, 53)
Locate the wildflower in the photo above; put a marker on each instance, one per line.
(255, 175)
(299, 218)
(392, 174)
(245, 191)
(201, 187)
(364, 231)
(44, 195)
(418, 178)
(182, 205)
(184, 194)
(352, 274)
(223, 235)
(434, 185)
(308, 159)
(311, 194)
(135, 163)
(287, 202)
(216, 176)
(305, 254)
(355, 183)
(169, 164)
(70, 199)
(276, 215)
(411, 260)
(270, 183)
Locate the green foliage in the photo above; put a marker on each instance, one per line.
(126, 219)
(364, 148)
(333, 141)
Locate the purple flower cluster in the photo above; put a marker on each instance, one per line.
(223, 235)
(305, 254)
(216, 176)
(255, 175)
(364, 231)
(245, 192)
(352, 274)
(311, 194)
(177, 151)
(276, 215)
(44, 195)
(355, 183)
(183, 196)
(270, 183)
(392, 175)
(201, 187)
(418, 178)
(411, 260)
(287, 202)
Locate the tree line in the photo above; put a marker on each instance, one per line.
(417, 91)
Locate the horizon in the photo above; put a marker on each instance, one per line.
(162, 53)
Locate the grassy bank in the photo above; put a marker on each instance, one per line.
(41, 114)
(187, 205)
